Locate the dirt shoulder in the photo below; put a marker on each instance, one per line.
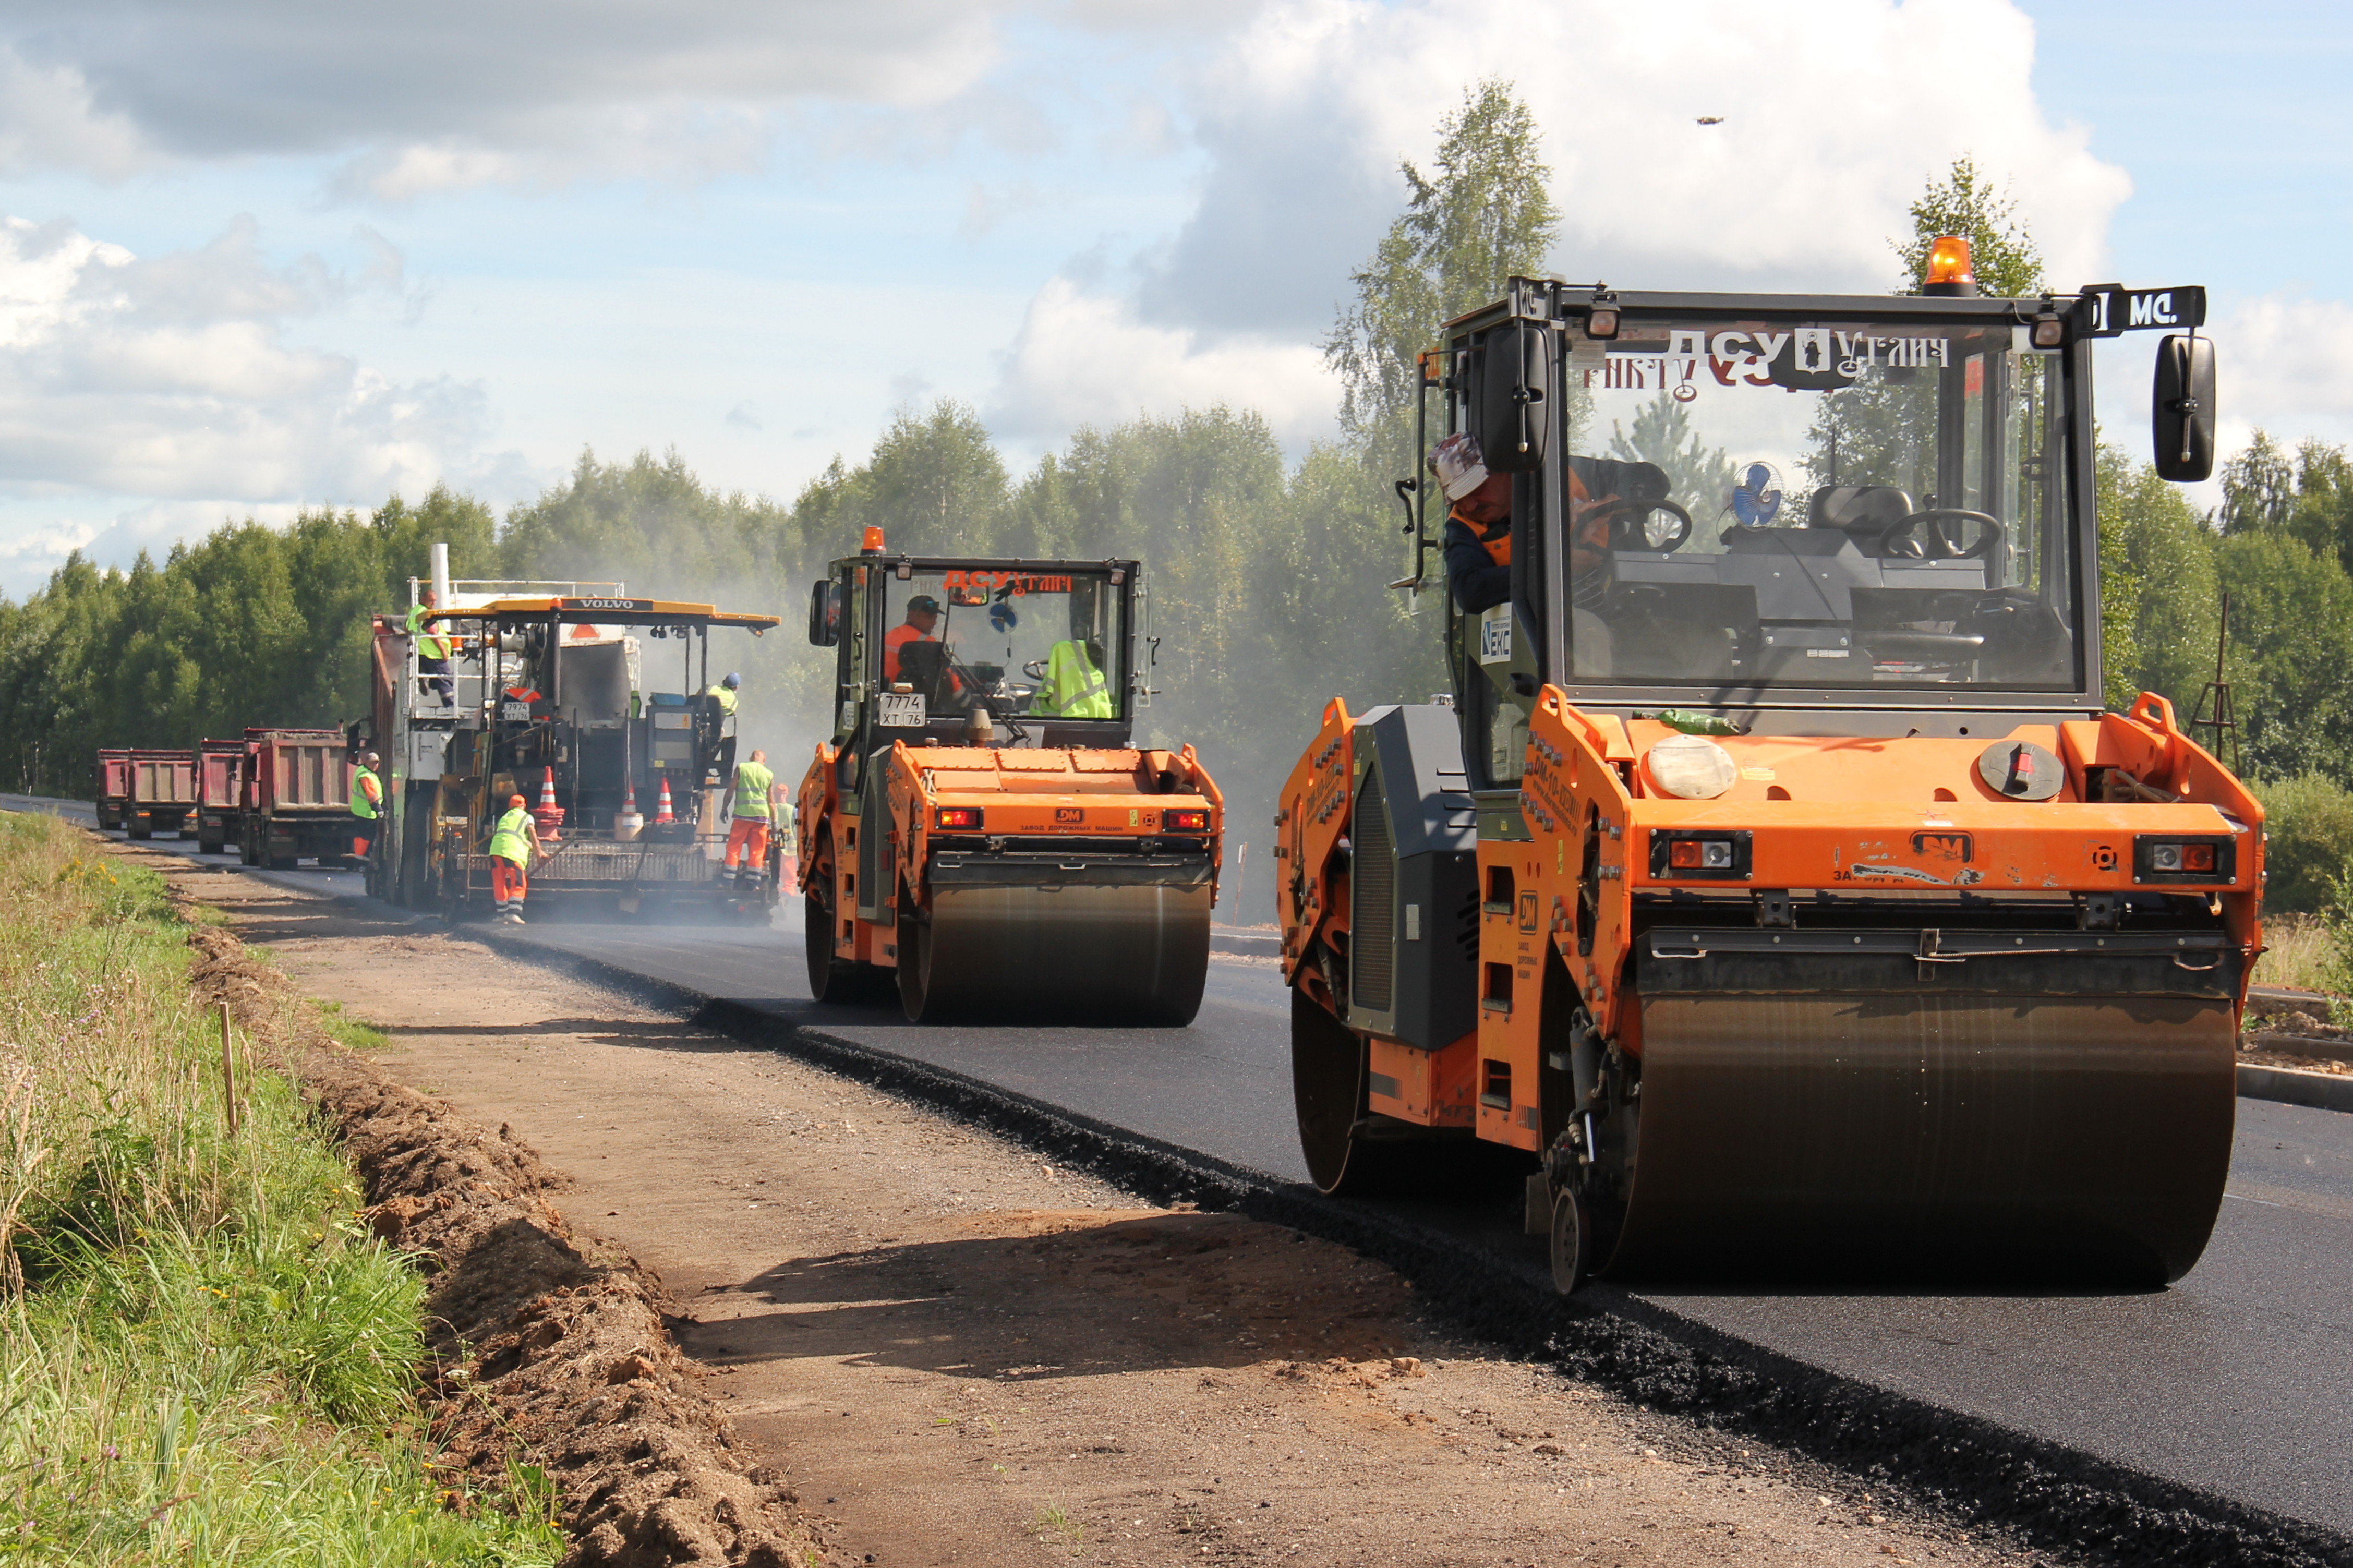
(955, 1353)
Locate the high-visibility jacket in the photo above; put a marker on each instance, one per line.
(510, 839)
(428, 645)
(726, 698)
(1074, 688)
(367, 794)
(752, 782)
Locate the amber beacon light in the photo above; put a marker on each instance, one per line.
(1949, 271)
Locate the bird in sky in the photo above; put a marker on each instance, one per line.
(1711, 120)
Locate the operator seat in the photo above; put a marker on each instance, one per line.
(923, 665)
(1874, 511)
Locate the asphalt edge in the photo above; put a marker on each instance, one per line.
(2322, 1091)
(1970, 1470)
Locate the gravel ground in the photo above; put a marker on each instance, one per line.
(955, 1353)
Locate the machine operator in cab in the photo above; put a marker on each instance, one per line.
(1478, 543)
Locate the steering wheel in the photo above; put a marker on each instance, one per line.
(1942, 537)
(1646, 533)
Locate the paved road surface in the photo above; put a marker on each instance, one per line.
(2240, 1379)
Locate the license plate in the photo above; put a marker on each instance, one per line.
(902, 711)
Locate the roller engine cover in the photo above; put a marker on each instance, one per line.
(1414, 881)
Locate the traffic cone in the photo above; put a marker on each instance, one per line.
(661, 807)
(629, 824)
(549, 814)
(629, 800)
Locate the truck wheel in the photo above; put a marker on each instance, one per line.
(142, 828)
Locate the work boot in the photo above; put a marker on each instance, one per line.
(514, 917)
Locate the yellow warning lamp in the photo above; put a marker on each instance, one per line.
(1949, 272)
(873, 545)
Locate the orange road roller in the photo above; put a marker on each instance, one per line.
(1773, 878)
(980, 830)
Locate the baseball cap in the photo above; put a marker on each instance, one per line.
(924, 602)
(1459, 465)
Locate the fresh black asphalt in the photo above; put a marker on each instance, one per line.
(2238, 1381)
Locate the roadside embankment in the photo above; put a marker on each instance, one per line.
(204, 1356)
(540, 1350)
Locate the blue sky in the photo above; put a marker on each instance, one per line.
(257, 254)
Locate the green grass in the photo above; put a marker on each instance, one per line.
(205, 1358)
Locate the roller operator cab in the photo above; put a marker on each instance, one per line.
(981, 830)
(1773, 879)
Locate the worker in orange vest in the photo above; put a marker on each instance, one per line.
(1478, 543)
(923, 620)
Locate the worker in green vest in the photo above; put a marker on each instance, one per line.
(513, 841)
(723, 692)
(1074, 686)
(753, 805)
(432, 650)
(367, 807)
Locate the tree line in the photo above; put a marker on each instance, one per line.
(1268, 576)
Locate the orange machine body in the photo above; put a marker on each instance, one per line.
(1025, 800)
(1823, 814)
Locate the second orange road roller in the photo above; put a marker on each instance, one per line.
(980, 831)
(1773, 879)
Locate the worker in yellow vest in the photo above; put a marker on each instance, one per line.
(513, 841)
(753, 805)
(1074, 686)
(367, 807)
(432, 650)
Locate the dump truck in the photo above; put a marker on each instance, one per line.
(591, 704)
(295, 797)
(1773, 878)
(220, 794)
(113, 791)
(980, 831)
(162, 791)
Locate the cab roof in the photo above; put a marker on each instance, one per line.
(613, 612)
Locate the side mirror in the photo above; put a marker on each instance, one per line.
(825, 613)
(1512, 414)
(2181, 409)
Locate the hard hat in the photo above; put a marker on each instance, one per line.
(515, 800)
(924, 603)
(1460, 466)
(733, 680)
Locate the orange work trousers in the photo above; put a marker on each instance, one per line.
(749, 839)
(507, 884)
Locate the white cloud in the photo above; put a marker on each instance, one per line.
(174, 377)
(1836, 112)
(2282, 359)
(448, 93)
(1084, 358)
